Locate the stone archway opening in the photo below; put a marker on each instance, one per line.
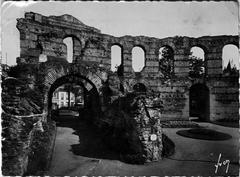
(230, 60)
(73, 93)
(140, 88)
(199, 102)
(197, 67)
(138, 58)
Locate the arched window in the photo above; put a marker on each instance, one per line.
(166, 61)
(140, 88)
(196, 62)
(138, 59)
(69, 43)
(116, 57)
(230, 57)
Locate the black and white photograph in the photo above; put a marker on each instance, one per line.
(97, 88)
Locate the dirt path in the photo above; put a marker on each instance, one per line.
(80, 151)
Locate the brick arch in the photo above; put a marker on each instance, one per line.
(165, 45)
(96, 75)
(143, 47)
(92, 78)
(229, 43)
(131, 82)
(231, 40)
(202, 46)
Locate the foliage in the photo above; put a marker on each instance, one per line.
(166, 63)
(196, 67)
(230, 70)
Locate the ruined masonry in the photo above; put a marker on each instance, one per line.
(210, 97)
(44, 35)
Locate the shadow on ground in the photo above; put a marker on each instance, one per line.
(204, 134)
(90, 140)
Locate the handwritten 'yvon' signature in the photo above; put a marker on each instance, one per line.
(224, 163)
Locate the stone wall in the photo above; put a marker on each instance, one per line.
(18, 135)
(44, 35)
(132, 126)
(224, 99)
(21, 131)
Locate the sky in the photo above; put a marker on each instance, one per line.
(153, 19)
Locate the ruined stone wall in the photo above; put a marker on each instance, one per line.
(22, 132)
(224, 98)
(44, 35)
(132, 127)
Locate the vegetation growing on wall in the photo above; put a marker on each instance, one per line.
(166, 63)
(196, 67)
(230, 70)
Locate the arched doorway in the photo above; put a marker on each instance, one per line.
(89, 93)
(199, 102)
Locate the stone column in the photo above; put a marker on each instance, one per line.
(213, 61)
(127, 61)
(181, 62)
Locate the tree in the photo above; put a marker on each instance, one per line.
(166, 62)
(196, 67)
(230, 70)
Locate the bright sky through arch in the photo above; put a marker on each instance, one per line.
(197, 52)
(230, 53)
(160, 19)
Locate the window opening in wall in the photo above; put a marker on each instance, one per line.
(68, 41)
(138, 59)
(196, 62)
(116, 57)
(166, 61)
(230, 60)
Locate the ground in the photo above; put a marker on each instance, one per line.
(80, 151)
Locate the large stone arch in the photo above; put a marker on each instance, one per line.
(91, 96)
(93, 77)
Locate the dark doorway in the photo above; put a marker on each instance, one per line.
(75, 93)
(199, 102)
(140, 88)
